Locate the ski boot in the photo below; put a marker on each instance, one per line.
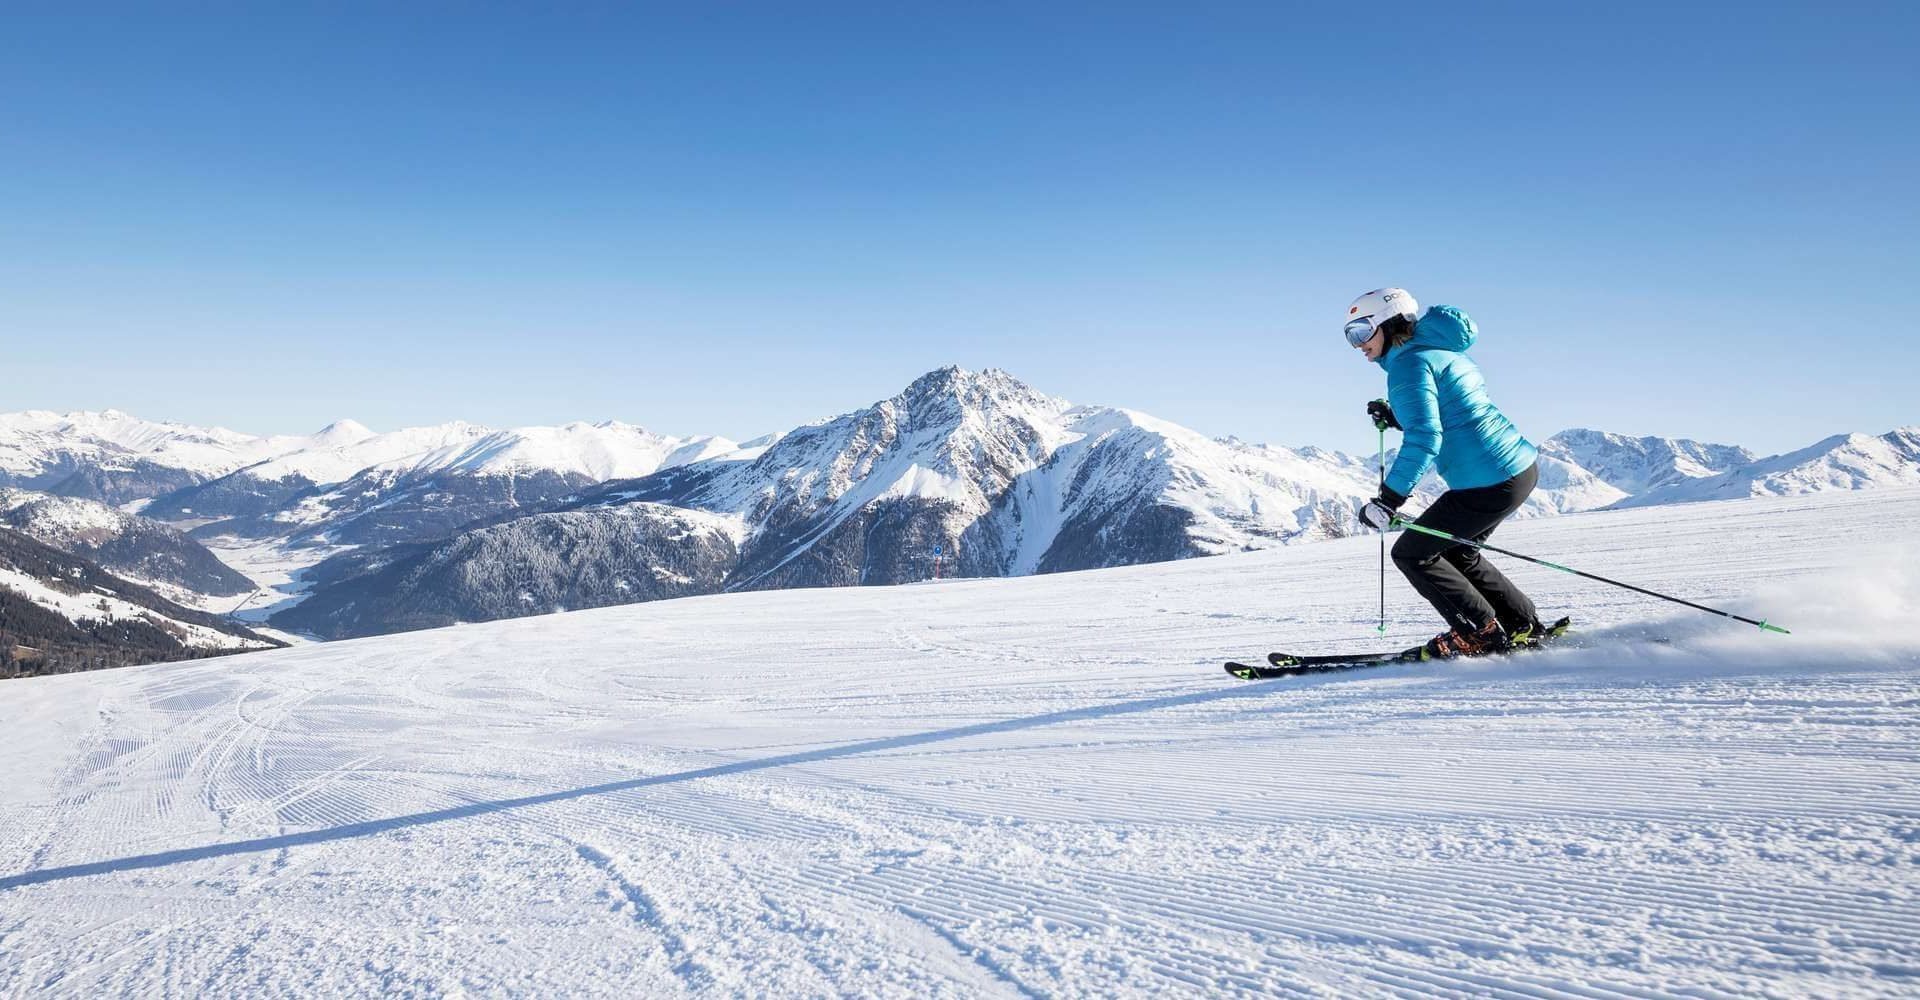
(1535, 634)
(1457, 643)
(1530, 634)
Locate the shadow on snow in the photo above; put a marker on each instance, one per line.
(372, 827)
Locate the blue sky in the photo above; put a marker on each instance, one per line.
(731, 218)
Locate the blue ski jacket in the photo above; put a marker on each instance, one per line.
(1441, 401)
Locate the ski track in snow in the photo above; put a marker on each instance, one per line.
(1027, 787)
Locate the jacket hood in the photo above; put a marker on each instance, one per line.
(1438, 328)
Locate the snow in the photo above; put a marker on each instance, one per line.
(918, 481)
(60, 521)
(274, 567)
(1635, 465)
(749, 450)
(32, 440)
(1028, 786)
(609, 450)
(600, 452)
(337, 462)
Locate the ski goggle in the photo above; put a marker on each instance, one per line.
(1359, 331)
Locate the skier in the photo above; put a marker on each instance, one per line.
(1438, 400)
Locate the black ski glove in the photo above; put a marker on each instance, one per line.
(1383, 418)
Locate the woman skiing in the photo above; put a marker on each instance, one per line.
(1437, 398)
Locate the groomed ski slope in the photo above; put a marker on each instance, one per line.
(1028, 787)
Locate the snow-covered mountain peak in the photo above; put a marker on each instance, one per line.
(1589, 439)
(947, 394)
(116, 428)
(1841, 462)
(599, 452)
(978, 427)
(342, 456)
(342, 432)
(1633, 465)
(949, 380)
(113, 456)
(949, 444)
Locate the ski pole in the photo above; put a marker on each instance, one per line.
(1382, 428)
(1423, 529)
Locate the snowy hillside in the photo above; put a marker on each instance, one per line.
(1020, 787)
(138, 548)
(60, 612)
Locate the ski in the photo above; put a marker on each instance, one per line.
(1286, 661)
(1291, 665)
(1295, 666)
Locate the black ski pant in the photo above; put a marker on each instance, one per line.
(1466, 589)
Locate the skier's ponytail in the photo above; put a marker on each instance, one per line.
(1399, 330)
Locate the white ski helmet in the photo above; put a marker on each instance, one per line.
(1374, 308)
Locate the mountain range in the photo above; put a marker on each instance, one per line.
(962, 473)
(971, 474)
(384, 489)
